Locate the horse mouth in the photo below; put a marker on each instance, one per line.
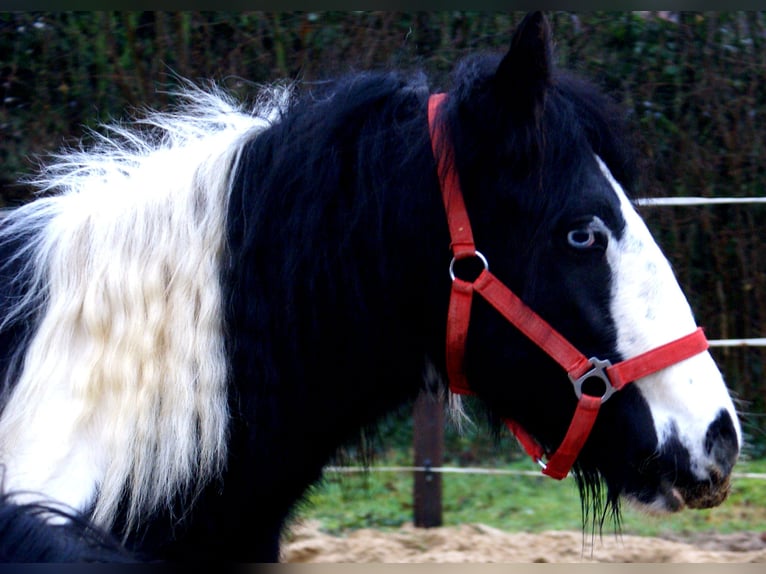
(706, 494)
(671, 498)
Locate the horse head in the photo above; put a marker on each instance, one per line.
(544, 170)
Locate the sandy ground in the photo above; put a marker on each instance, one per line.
(480, 543)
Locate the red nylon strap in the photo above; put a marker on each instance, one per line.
(462, 245)
(458, 317)
(565, 354)
(531, 324)
(657, 359)
(563, 459)
(582, 422)
(459, 224)
(526, 440)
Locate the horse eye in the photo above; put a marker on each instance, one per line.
(582, 238)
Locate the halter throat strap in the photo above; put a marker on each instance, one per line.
(579, 367)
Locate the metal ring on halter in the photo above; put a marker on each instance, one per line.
(477, 254)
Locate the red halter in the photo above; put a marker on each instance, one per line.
(577, 366)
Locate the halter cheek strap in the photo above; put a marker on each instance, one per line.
(579, 368)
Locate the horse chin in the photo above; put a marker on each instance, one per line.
(665, 501)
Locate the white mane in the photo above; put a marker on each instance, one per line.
(128, 349)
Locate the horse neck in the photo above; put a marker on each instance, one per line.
(338, 284)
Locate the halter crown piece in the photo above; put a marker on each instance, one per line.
(577, 366)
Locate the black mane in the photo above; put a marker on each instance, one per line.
(332, 213)
(27, 536)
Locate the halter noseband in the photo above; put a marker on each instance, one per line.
(577, 366)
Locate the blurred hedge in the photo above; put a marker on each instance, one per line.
(693, 83)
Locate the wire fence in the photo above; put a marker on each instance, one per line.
(691, 201)
(756, 342)
(478, 470)
(696, 201)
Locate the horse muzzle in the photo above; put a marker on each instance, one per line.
(698, 494)
(689, 482)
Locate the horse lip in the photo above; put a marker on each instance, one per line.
(674, 500)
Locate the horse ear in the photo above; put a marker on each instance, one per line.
(525, 72)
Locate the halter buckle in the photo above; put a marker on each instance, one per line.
(597, 371)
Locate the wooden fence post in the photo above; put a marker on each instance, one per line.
(428, 433)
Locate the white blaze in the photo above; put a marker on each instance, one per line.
(649, 309)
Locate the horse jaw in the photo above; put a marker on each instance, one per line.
(688, 401)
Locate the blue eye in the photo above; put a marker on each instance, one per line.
(588, 235)
(582, 238)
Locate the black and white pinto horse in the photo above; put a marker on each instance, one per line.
(202, 308)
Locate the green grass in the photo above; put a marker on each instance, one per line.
(383, 500)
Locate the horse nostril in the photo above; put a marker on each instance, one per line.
(721, 442)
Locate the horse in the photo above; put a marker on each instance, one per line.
(203, 306)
